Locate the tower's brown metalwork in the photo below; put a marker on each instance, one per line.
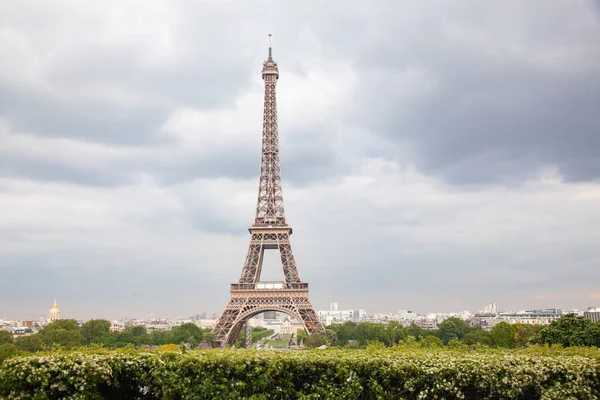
(250, 296)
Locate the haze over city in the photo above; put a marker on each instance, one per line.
(435, 156)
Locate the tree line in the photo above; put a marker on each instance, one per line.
(68, 334)
(258, 333)
(569, 330)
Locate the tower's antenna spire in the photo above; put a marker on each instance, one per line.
(270, 39)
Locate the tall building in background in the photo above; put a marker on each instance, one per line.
(491, 308)
(593, 314)
(54, 312)
(251, 296)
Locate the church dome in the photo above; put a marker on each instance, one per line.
(54, 313)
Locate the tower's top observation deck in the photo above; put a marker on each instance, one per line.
(270, 69)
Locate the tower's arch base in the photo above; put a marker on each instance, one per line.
(245, 304)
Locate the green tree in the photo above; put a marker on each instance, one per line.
(371, 331)
(186, 331)
(524, 333)
(570, 330)
(5, 337)
(95, 331)
(394, 333)
(66, 324)
(478, 336)
(410, 341)
(301, 335)
(258, 333)
(316, 340)
(417, 332)
(158, 338)
(30, 343)
(592, 332)
(452, 328)
(331, 336)
(347, 331)
(503, 335)
(7, 350)
(63, 332)
(191, 341)
(132, 335)
(209, 337)
(63, 338)
(137, 330)
(241, 339)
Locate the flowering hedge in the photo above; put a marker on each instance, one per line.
(317, 374)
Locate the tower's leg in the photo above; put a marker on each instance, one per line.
(225, 324)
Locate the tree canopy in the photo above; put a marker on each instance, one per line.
(452, 328)
(503, 335)
(5, 337)
(571, 330)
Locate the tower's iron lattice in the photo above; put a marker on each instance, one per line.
(270, 231)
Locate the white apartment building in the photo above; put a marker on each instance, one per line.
(407, 315)
(334, 314)
(537, 317)
(593, 314)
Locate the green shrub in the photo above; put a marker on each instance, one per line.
(401, 372)
(431, 342)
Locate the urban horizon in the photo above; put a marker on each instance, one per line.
(210, 314)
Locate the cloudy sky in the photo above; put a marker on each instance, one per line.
(436, 155)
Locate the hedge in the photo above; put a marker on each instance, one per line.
(316, 374)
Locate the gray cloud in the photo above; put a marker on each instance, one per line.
(480, 101)
(449, 147)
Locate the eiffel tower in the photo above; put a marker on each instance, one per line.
(251, 296)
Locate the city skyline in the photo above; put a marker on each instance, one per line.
(444, 154)
(210, 315)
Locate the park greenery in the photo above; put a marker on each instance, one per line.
(258, 333)
(570, 330)
(67, 334)
(359, 360)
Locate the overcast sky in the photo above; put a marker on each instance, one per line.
(436, 155)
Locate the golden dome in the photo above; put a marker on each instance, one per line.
(54, 312)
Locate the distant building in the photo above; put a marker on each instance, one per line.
(25, 324)
(18, 330)
(270, 315)
(428, 324)
(54, 313)
(593, 314)
(541, 317)
(334, 314)
(407, 315)
(288, 326)
(491, 308)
